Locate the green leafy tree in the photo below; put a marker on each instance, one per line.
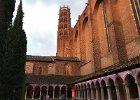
(15, 57)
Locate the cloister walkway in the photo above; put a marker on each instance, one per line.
(121, 86)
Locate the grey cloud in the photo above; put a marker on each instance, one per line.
(30, 2)
(45, 43)
(41, 44)
(76, 6)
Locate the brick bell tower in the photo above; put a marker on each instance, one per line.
(63, 34)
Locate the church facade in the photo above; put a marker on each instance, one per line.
(97, 59)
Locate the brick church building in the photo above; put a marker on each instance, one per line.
(97, 59)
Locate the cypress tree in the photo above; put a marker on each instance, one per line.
(6, 14)
(15, 57)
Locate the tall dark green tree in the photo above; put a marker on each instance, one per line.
(15, 57)
(6, 14)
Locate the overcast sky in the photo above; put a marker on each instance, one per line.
(41, 20)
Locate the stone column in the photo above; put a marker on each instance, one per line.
(53, 93)
(117, 91)
(97, 95)
(92, 95)
(26, 92)
(47, 93)
(33, 94)
(77, 93)
(40, 94)
(109, 92)
(84, 93)
(66, 92)
(127, 91)
(60, 92)
(87, 93)
(102, 93)
(138, 86)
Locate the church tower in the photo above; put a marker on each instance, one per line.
(64, 31)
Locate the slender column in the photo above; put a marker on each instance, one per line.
(97, 95)
(53, 93)
(40, 94)
(66, 92)
(117, 91)
(77, 93)
(47, 93)
(33, 94)
(109, 92)
(92, 95)
(83, 93)
(87, 93)
(26, 92)
(80, 93)
(60, 92)
(138, 85)
(127, 91)
(102, 93)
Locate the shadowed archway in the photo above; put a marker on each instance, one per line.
(29, 91)
(130, 81)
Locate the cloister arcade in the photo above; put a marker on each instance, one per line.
(120, 86)
(36, 91)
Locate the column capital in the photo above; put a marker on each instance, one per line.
(108, 86)
(126, 84)
(92, 87)
(138, 83)
(116, 85)
(87, 88)
(101, 86)
(96, 87)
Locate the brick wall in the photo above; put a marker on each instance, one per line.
(105, 34)
(113, 36)
(56, 68)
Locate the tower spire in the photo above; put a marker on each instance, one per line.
(64, 30)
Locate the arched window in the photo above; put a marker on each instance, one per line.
(51, 69)
(75, 43)
(136, 10)
(39, 70)
(84, 40)
(68, 69)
